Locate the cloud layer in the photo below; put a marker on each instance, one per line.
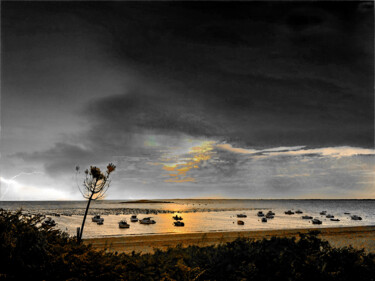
(267, 99)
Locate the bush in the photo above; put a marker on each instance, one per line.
(29, 250)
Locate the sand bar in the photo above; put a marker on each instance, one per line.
(358, 237)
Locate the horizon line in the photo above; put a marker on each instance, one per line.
(159, 199)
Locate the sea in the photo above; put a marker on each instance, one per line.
(199, 215)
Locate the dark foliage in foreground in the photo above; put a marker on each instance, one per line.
(31, 251)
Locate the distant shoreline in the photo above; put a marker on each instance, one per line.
(195, 199)
(145, 201)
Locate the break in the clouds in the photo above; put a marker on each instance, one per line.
(189, 99)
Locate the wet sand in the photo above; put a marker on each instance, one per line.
(358, 237)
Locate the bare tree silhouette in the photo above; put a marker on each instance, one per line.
(94, 187)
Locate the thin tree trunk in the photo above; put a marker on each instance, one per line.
(84, 219)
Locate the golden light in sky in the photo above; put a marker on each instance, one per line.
(196, 155)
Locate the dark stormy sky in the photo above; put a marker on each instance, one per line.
(188, 99)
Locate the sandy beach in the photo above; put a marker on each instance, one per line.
(358, 237)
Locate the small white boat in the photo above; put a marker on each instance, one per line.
(49, 222)
(316, 221)
(178, 223)
(123, 224)
(97, 219)
(356, 218)
(241, 216)
(147, 221)
(133, 218)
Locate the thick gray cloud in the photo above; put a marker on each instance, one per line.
(277, 74)
(262, 74)
(60, 159)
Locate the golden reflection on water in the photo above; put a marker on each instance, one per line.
(219, 217)
(196, 222)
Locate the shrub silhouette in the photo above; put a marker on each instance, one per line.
(29, 250)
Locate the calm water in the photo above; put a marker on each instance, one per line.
(199, 215)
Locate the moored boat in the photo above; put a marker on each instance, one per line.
(133, 218)
(307, 217)
(335, 220)
(97, 219)
(356, 218)
(123, 224)
(240, 222)
(49, 222)
(299, 212)
(289, 212)
(264, 220)
(147, 220)
(177, 218)
(178, 223)
(260, 214)
(316, 221)
(330, 216)
(241, 216)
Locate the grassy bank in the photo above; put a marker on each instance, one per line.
(29, 250)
